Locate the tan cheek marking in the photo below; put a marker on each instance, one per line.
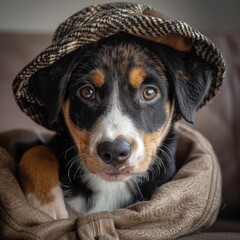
(153, 140)
(82, 140)
(38, 173)
(136, 77)
(97, 78)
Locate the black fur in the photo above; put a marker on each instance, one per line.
(190, 78)
(50, 84)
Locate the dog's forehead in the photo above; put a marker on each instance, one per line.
(122, 54)
(126, 61)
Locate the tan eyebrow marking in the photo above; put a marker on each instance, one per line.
(136, 77)
(97, 78)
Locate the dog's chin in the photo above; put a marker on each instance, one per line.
(115, 176)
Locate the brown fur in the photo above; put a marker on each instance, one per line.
(98, 78)
(136, 77)
(38, 173)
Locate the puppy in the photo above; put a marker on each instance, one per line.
(119, 99)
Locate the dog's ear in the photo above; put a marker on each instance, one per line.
(49, 85)
(190, 78)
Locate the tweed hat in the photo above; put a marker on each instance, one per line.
(100, 21)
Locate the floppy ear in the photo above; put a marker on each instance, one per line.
(190, 78)
(49, 85)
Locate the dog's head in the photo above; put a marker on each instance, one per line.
(118, 98)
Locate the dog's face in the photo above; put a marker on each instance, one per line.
(117, 101)
(118, 109)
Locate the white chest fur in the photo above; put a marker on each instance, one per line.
(107, 196)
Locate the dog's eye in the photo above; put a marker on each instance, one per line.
(87, 92)
(149, 93)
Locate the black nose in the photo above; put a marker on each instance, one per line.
(114, 152)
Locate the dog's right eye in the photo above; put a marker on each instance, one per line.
(87, 92)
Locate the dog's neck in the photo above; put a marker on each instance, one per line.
(86, 192)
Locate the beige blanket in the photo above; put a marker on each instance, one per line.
(189, 203)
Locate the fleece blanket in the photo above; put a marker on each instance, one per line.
(183, 206)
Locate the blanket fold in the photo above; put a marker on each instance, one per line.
(188, 203)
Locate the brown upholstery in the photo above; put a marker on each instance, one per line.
(220, 123)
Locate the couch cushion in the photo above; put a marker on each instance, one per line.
(220, 123)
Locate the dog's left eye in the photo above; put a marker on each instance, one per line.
(149, 93)
(87, 92)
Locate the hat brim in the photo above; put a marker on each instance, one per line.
(100, 21)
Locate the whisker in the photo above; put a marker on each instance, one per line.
(73, 161)
(169, 150)
(166, 155)
(138, 189)
(67, 151)
(161, 162)
(79, 168)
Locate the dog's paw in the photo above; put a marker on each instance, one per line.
(53, 203)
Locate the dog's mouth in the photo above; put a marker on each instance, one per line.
(115, 176)
(119, 173)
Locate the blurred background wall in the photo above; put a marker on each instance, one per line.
(26, 27)
(34, 16)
